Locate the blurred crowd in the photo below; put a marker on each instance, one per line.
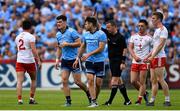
(43, 14)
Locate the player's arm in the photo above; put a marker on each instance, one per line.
(160, 46)
(123, 65)
(80, 53)
(58, 55)
(34, 51)
(81, 49)
(131, 51)
(77, 43)
(98, 50)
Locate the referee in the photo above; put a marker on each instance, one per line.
(117, 49)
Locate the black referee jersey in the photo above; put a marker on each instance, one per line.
(116, 44)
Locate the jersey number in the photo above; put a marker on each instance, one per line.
(21, 44)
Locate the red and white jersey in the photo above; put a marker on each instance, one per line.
(159, 33)
(24, 54)
(142, 46)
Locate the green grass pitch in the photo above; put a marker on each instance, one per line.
(54, 100)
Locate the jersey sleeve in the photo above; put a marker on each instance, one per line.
(164, 33)
(75, 34)
(131, 40)
(32, 38)
(58, 38)
(83, 38)
(102, 37)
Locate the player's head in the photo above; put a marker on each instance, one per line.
(26, 24)
(111, 26)
(157, 17)
(90, 23)
(61, 21)
(142, 25)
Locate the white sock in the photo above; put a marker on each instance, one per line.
(167, 98)
(152, 99)
(20, 100)
(31, 98)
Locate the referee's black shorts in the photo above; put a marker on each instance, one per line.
(115, 68)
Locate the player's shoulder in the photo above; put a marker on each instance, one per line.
(164, 29)
(71, 29)
(101, 32)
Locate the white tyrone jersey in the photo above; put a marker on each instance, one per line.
(142, 45)
(24, 54)
(159, 33)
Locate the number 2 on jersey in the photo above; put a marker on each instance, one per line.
(21, 44)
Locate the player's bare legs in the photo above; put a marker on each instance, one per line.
(142, 89)
(160, 72)
(91, 85)
(20, 79)
(65, 77)
(99, 82)
(135, 80)
(139, 82)
(33, 87)
(142, 82)
(77, 80)
(154, 83)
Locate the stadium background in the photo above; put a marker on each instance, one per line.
(42, 13)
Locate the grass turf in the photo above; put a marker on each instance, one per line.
(54, 100)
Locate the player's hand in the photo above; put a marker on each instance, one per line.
(122, 66)
(149, 59)
(57, 65)
(137, 59)
(64, 44)
(39, 64)
(84, 57)
(75, 63)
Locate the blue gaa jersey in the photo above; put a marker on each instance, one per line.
(70, 35)
(92, 43)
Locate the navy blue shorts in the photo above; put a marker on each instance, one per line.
(67, 65)
(95, 68)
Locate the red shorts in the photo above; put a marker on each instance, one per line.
(158, 62)
(29, 67)
(139, 67)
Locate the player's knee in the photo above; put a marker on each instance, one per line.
(77, 82)
(154, 81)
(64, 80)
(90, 82)
(99, 84)
(133, 82)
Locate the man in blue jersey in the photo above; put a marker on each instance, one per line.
(93, 43)
(68, 43)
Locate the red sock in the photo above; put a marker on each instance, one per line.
(140, 98)
(32, 95)
(19, 97)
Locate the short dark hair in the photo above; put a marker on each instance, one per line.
(158, 15)
(92, 20)
(112, 22)
(26, 24)
(61, 17)
(143, 21)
